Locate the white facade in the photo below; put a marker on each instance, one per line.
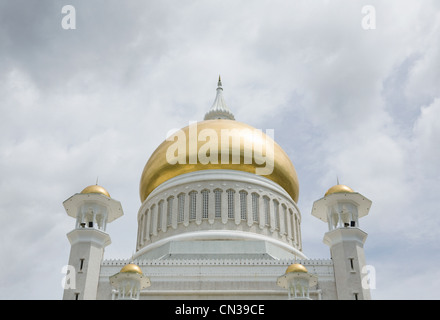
(238, 254)
(216, 278)
(219, 234)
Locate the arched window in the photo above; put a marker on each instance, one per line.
(292, 224)
(170, 210)
(266, 210)
(276, 212)
(218, 203)
(243, 205)
(255, 207)
(181, 207)
(205, 199)
(231, 203)
(192, 205)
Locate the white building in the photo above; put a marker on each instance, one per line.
(218, 220)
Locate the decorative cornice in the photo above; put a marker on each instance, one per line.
(348, 234)
(89, 235)
(211, 262)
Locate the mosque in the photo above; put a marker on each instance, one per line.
(218, 220)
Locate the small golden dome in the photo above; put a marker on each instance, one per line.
(337, 189)
(296, 267)
(131, 267)
(96, 189)
(158, 170)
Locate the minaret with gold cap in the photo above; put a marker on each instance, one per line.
(92, 208)
(341, 208)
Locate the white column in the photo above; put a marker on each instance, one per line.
(275, 216)
(237, 207)
(159, 217)
(261, 211)
(147, 226)
(144, 226)
(293, 225)
(175, 212)
(139, 240)
(211, 207)
(298, 226)
(329, 219)
(186, 209)
(225, 207)
(283, 218)
(289, 225)
(105, 219)
(154, 220)
(94, 217)
(249, 209)
(199, 207)
(165, 222)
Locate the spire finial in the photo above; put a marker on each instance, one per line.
(337, 180)
(219, 109)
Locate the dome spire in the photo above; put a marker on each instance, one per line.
(219, 109)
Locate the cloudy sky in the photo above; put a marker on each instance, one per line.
(350, 93)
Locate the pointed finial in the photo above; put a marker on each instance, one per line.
(219, 110)
(97, 180)
(337, 180)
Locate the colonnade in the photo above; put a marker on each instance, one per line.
(213, 205)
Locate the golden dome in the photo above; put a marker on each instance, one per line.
(131, 267)
(158, 169)
(337, 189)
(96, 189)
(296, 267)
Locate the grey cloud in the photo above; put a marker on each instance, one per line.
(97, 101)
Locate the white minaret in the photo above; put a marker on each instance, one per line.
(341, 208)
(93, 209)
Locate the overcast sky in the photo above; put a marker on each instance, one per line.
(361, 104)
